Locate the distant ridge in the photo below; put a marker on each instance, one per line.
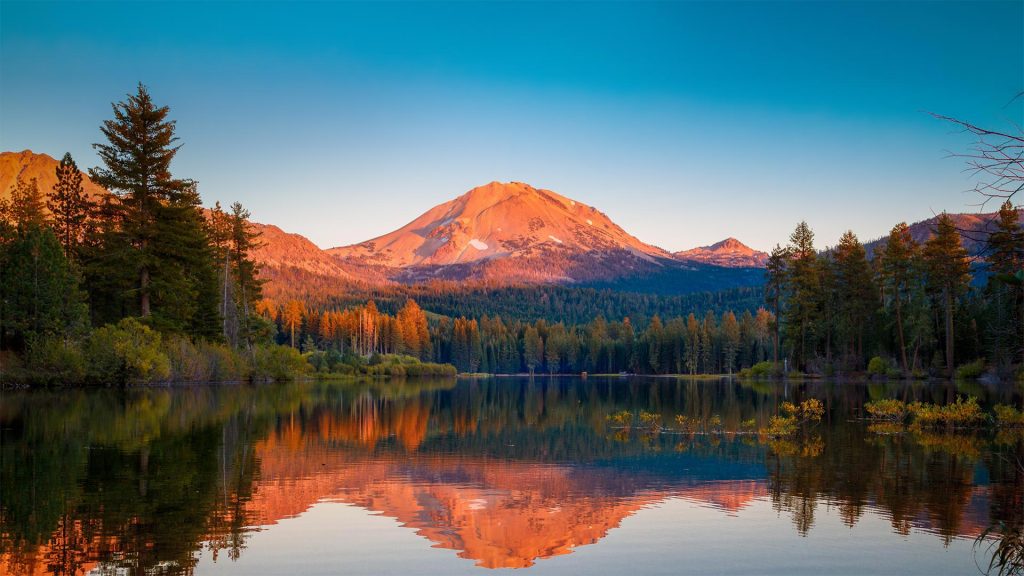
(729, 253)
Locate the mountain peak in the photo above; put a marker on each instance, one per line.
(502, 220)
(729, 243)
(729, 252)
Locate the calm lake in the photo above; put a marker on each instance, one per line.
(471, 476)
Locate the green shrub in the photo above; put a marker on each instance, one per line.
(793, 417)
(185, 361)
(781, 426)
(715, 423)
(765, 369)
(126, 352)
(224, 363)
(686, 424)
(54, 361)
(878, 366)
(889, 410)
(203, 361)
(378, 365)
(958, 414)
(971, 370)
(623, 418)
(278, 363)
(1008, 416)
(650, 420)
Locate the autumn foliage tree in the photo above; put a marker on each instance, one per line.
(292, 315)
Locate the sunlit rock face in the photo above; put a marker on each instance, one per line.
(28, 165)
(508, 232)
(498, 220)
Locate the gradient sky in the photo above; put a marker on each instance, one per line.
(684, 122)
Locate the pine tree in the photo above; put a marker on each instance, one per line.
(730, 340)
(653, 337)
(244, 240)
(533, 348)
(1006, 243)
(896, 271)
(39, 289)
(69, 206)
(692, 343)
(26, 209)
(137, 158)
(803, 283)
(775, 285)
(1006, 285)
(856, 293)
(948, 275)
(184, 287)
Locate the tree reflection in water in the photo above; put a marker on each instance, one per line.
(144, 480)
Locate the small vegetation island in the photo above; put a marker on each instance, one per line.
(132, 281)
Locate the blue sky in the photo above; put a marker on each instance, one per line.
(685, 122)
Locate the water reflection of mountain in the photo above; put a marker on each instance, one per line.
(503, 472)
(499, 513)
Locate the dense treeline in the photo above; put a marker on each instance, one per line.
(139, 284)
(912, 306)
(912, 309)
(529, 303)
(710, 344)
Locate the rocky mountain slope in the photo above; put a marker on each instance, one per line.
(974, 231)
(509, 232)
(28, 164)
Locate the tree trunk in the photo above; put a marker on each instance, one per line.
(144, 292)
(949, 329)
(1020, 312)
(899, 332)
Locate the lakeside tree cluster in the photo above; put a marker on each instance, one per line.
(142, 283)
(912, 307)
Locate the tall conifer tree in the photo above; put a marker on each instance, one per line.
(948, 275)
(69, 206)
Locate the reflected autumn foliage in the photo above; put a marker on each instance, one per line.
(502, 471)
